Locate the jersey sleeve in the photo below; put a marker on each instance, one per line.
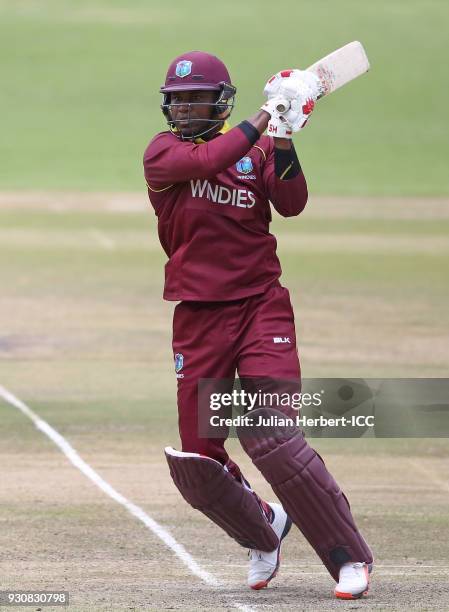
(169, 160)
(284, 181)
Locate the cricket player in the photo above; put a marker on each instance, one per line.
(211, 187)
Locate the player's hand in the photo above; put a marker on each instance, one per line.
(288, 116)
(299, 111)
(294, 120)
(291, 83)
(278, 125)
(279, 128)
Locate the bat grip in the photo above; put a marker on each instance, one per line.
(282, 106)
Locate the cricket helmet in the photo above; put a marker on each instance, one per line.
(199, 71)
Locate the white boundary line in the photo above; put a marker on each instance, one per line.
(136, 511)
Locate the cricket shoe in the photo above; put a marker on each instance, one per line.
(353, 581)
(263, 566)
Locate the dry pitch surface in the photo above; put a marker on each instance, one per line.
(84, 342)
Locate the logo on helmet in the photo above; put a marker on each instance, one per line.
(183, 68)
(244, 165)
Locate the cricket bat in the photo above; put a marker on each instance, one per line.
(337, 69)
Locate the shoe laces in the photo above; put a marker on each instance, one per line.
(252, 553)
(351, 568)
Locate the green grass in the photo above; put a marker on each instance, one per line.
(79, 97)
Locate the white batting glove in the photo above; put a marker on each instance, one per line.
(289, 83)
(274, 106)
(273, 84)
(288, 116)
(299, 112)
(278, 125)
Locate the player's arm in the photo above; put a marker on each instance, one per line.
(168, 160)
(284, 180)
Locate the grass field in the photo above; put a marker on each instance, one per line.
(85, 343)
(80, 88)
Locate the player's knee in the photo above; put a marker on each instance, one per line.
(206, 447)
(279, 450)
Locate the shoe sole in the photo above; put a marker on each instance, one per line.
(340, 595)
(264, 583)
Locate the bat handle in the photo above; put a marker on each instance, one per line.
(282, 106)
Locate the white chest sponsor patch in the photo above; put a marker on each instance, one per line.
(219, 194)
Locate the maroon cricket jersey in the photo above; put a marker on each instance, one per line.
(212, 201)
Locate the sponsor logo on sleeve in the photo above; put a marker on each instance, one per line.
(183, 68)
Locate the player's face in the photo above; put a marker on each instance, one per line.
(188, 110)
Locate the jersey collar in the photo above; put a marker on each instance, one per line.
(226, 127)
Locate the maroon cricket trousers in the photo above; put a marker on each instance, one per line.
(253, 336)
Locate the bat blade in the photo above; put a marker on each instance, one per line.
(340, 67)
